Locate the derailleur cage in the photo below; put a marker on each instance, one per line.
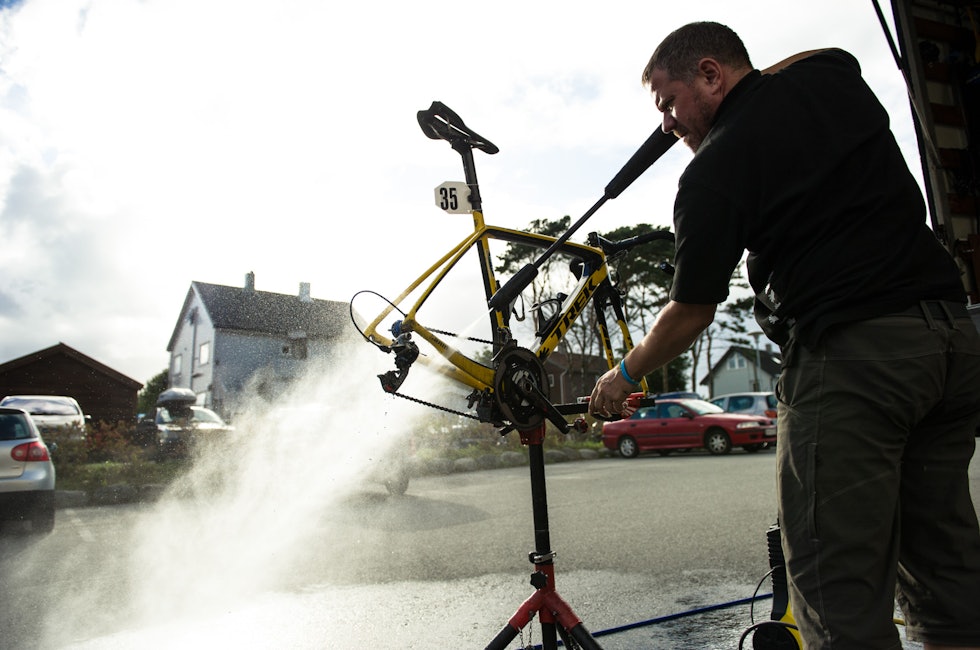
(406, 352)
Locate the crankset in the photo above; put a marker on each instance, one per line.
(521, 390)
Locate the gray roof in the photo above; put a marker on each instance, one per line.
(276, 314)
(235, 308)
(770, 361)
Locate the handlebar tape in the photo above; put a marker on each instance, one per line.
(611, 247)
(649, 152)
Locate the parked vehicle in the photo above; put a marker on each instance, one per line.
(679, 394)
(49, 412)
(174, 430)
(27, 475)
(176, 424)
(761, 403)
(678, 424)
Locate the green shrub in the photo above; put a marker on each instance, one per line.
(105, 456)
(90, 476)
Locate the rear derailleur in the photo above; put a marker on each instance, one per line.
(406, 352)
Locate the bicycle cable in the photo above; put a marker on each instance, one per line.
(354, 320)
(395, 307)
(410, 398)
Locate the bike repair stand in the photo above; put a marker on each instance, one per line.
(556, 616)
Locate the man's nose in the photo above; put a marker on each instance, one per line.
(669, 123)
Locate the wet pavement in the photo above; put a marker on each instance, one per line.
(253, 566)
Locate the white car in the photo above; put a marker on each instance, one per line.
(761, 403)
(49, 412)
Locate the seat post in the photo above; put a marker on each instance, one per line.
(469, 170)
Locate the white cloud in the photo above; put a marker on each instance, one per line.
(147, 144)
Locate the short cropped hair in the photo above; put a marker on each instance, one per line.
(680, 52)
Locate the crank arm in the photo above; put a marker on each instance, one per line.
(531, 392)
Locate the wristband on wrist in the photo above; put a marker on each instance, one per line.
(626, 375)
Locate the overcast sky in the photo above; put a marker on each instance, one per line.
(146, 144)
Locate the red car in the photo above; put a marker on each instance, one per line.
(686, 424)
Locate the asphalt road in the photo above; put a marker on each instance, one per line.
(349, 566)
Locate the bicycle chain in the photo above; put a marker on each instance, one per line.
(457, 336)
(438, 407)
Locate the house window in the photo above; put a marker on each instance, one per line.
(204, 353)
(177, 364)
(736, 361)
(296, 349)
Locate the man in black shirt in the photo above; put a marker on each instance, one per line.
(880, 388)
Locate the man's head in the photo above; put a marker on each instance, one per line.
(689, 75)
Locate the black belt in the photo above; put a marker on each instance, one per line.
(941, 309)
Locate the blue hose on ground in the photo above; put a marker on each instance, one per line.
(672, 617)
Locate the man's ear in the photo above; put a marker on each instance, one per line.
(711, 71)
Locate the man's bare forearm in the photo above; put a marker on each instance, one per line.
(677, 326)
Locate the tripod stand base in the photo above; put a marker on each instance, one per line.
(557, 619)
(555, 615)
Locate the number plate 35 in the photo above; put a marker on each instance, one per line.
(453, 197)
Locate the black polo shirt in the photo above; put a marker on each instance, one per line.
(801, 169)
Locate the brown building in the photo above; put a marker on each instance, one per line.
(103, 393)
(573, 375)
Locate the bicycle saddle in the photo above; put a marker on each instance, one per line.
(439, 122)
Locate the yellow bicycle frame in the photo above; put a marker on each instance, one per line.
(464, 369)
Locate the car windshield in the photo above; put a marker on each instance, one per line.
(198, 414)
(771, 401)
(204, 415)
(37, 406)
(700, 407)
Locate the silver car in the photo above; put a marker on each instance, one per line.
(174, 429)
(26, 472)
(50, 412)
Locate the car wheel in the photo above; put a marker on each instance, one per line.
(754, 448)
(717, 442)
(397, 482)
(627, 447)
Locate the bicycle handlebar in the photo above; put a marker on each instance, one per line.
(520, 281)
(612, 247)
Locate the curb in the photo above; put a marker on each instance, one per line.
(110, 495)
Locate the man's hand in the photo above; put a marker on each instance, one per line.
(610, 393)
(675, 330)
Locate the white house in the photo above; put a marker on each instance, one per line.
(228, 337)
(744, 369)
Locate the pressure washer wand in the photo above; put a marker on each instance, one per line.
(649, 152)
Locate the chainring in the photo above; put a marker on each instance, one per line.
(515, 366)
